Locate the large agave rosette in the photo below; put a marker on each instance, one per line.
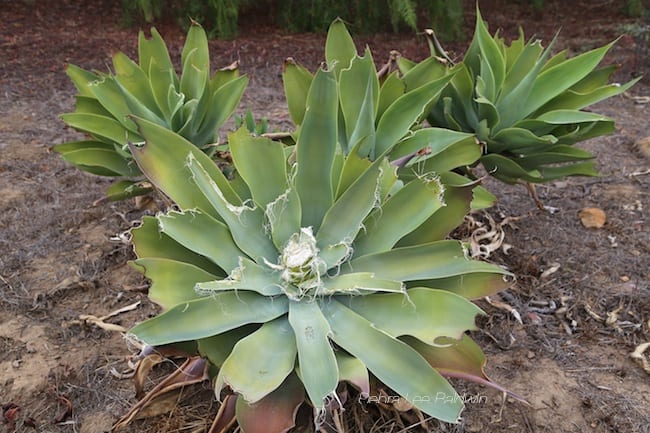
(314, 265)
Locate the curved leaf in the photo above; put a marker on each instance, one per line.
(100, 126)
(204, 235)
(457, 204)
(246, 224)
(275, 413)
(220, 107)
(339, 47)
(439, 259)
(402, 213)
(249, 276)
(400, 116)
(218, 347)
(148, 242)
(426, 314)
(172, 281)
(262, 164)
(393, 362)
(297, 80)
(81, 78)
(260, 362)
(318, 368)
(212, 315)
(97, 158)
(162, 159)
(473, 285)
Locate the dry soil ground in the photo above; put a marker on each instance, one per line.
(62, 257)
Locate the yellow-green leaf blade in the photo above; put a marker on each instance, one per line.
(316, 148)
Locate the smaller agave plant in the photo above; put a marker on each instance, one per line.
(195, 105)
(312, 267)
(525, 105)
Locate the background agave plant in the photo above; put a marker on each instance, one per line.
(386, 109)
(312, 266)
(195, 105)
(524, 104)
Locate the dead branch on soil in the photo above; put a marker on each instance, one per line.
(101, 321)
(639, 358)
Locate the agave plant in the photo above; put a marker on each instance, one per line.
(195, 105)
(524, 105)
(369, 103)
(312, 266)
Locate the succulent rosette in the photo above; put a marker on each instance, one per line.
(314, 265)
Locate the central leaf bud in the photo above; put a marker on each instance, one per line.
(300, 266)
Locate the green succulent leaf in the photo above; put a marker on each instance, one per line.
(525, 140)
(189, 229)
(393, 362)
(246, 223)
(90, 105)
(297, 80)
(577, 99)
(124, 189)
(360, 282)
(99, 126)
(554, 155)
(457, 204)
(109, 93)
(174, 280)
(339, 47)
(359, 88)
(402, 213)
(134, 81)
(219, 108)
(492, 59)
(555, 80)
(353, 371)
(452, 355)
(400, 116)
(150, 242)
(218, 347)
(163, 160)
(316, 148)
(424, 313)
(424, 72)
(260, 362)
(262, 164)
(81, 79)
(391, 89)
(577, 169)
(318, 367)
(195, 319)
(247, 276)
(97, 158)
(433, 140)
(344, 218)
(473, 285)
(439, 259)
(508, 171)
(153, 51)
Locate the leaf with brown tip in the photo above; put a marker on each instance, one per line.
(275, 413)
